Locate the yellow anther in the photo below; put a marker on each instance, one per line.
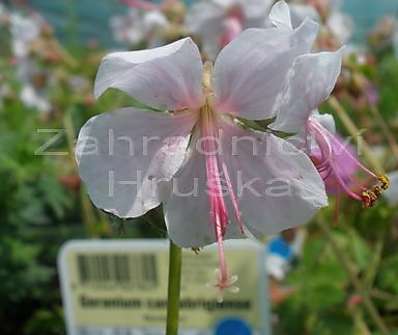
(385, 182)
(369, 197)
(366, 199)
(373, 196)
(377, 190)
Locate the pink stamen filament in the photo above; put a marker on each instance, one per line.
(234, 198)
(218, 210)
(324, 139)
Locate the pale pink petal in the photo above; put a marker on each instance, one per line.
(326, 120)
(205, 20)
(338, 164)
(205, 17)
(309, 82)
(256, 12)
(126, 158)
(249, 72)
(187, 211)
(280, 15)
(300, 12)
(167, 77)
(277, 185)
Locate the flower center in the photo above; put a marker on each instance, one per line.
(215, 169)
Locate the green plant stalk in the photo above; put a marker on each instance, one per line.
(174, 290)
(345, 262)
(361, 328)
(374, 265)
(386, 130)
(354, 132)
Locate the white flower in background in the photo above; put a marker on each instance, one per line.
(391, 194)
(218, 22)
(339, 24)
(34, 85)
(32, 99)
(215, 178)
(145, 22)
(138, 26)
(24, 31)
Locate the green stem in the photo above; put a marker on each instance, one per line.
(357, 284)
(386, 131)
(173, 295)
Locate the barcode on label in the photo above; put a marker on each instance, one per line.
(133, 270)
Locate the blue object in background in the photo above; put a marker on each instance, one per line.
(279, 246)
(233, 326)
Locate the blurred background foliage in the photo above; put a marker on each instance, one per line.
(43, 204)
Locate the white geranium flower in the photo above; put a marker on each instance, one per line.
(341, 26)
(218, 22)
(32, 94)
(215, 178)
(338, 23)
(24, 30)
(32, 99)
(139, 25)
(335, 161)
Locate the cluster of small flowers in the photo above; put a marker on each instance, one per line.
(33, 53)
(216, 22)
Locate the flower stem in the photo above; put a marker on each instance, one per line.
(386, 130)
(173, 295)
(356, 283)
